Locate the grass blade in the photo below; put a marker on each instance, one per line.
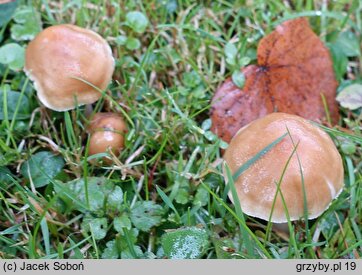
(238, 210)
(45, 233)
(167, 201)
(257, 156)
(239, 220)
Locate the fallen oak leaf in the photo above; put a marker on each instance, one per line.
(294, 70)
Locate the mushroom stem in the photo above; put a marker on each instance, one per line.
(281, 228)
(88, 110)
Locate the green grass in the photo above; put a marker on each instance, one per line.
(170, 173)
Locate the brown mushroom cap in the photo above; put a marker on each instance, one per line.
(60, 54)
(104, 121)
(107, 133)
(257, 186)
(102, 141)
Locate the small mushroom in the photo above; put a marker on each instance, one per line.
(62, 59)
(107, 132)
(321, 166)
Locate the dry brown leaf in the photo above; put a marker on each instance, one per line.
(294, 69)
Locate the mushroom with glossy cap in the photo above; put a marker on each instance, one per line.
(62, 59)
(256, 187)
(107, 132)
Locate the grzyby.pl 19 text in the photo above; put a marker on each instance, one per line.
(333, 267)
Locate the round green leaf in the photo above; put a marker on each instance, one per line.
(111, 250)
(201, 197)
(206, 124)
(133, 43)
(182, 196)
(348, 43)
(230, 53)
(238, 78)
(121, 40)
(5, 175)
(243, 61)
(185, 243)
(42, 167)
(349, 148)
(98, 190)
(137, 21)
(146, 214)
(12, 55)
(340, 60)
(13, 99)
(95, 226)
(28, 23)
(115, 199)
(191, 79)
(6, 11)
(122, 222)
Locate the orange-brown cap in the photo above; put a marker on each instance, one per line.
(107, 133)
(256, 187)
(59, 57)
